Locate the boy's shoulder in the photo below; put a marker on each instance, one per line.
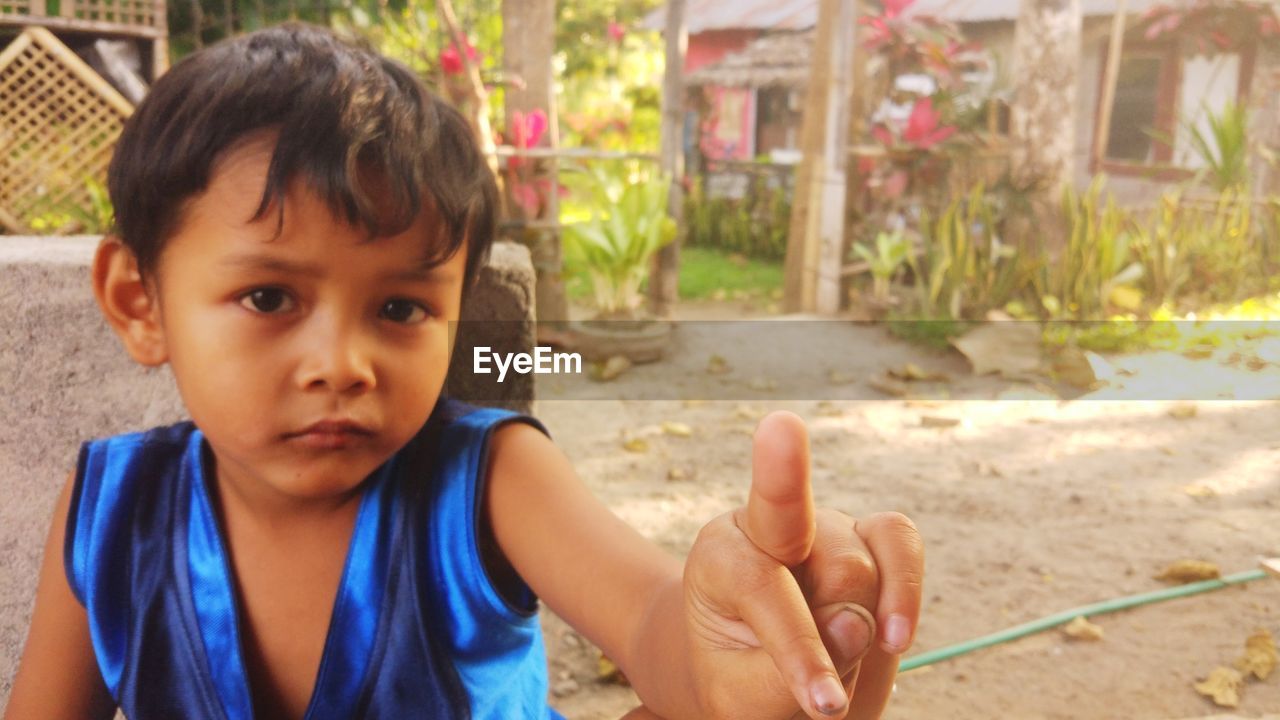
(178, 434)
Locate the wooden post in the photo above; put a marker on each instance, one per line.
(160, 46)
(664, 274)
(528, 41)
(815, 240)
(1102, 130)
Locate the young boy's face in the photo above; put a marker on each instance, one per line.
(309, 357)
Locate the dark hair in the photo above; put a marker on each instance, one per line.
(345, 116)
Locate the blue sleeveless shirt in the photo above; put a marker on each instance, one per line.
(417, 629)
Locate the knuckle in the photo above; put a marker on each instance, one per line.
(852, 573)
(898, 524)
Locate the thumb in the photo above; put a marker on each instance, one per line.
(847, 631)
(779, 517)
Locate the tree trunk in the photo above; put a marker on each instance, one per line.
(665, 270)
(1046, 64)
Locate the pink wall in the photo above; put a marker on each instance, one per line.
(708, 47)
(728, 132)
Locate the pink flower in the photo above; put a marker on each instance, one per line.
(451, 60)
(894, 8)
(616, 31)
(526, 196)
(882, 135)
(527, 130)
(923, 127)
(879, 33)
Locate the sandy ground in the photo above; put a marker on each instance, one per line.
(1027, 506)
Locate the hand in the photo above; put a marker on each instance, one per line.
(788, 607)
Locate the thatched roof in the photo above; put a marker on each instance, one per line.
(774, 60)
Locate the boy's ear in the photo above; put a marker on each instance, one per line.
(127, 302)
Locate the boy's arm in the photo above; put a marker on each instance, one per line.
(58, 675)
(590, 567)
(755, 621)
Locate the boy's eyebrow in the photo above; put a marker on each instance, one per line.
(272, 264)
(425, 270)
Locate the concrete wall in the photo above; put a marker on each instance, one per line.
(64, 378)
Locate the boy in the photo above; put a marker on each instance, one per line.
(297, 224)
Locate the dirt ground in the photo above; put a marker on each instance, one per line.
(1028, 505)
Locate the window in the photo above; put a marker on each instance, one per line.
(1136, 110)
(1144, 116)
(1160, 93)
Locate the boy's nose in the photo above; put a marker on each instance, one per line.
(340, 360)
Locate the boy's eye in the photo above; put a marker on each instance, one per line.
(267, 300)
(403, 311)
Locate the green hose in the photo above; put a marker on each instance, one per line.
(1098, 608)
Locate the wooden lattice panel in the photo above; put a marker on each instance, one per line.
(122, 12)
(21, 7)
(137, 18)
(58, 123)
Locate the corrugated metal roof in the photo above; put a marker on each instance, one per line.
(775, 60)
(704, 15)
(965, 11)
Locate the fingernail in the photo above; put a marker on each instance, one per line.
(897, 633)
(828, 696)
(850, 634)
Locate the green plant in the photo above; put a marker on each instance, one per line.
(1096, 260)
(1224, 149)
(967, 268)
(65, 216)
(755, 225)
(99, 216)
(628, 224)
(890, 253)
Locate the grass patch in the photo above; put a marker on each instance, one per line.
(704, 273)
(936, 334)
(710, 273)
(1213, 327)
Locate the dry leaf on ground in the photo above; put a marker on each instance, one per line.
(1187, 571)
(938, 421)
(636, 445)
(611, 368)
(1072, 366)
(1259, 657)
(717, 365)
(1183, 411)
(678, 429)
(606, 671)
(1222, 686)
(888, 387)
(1082, 629)
(835, 377)
(1200, 491)
(1009, 348)
(910, 372)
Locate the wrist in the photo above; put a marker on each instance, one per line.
(659, 663)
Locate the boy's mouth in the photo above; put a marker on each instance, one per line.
(331, 434)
